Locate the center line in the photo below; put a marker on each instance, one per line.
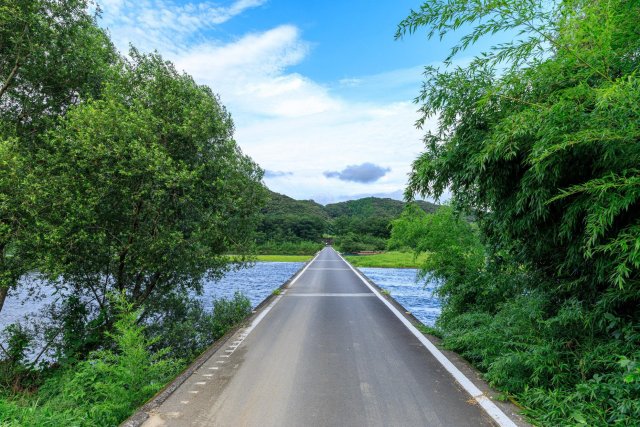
(367, 294)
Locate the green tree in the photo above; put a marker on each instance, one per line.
(539, 138)
(11, 167)
(150, 188)
(541, 133)
(52, 56)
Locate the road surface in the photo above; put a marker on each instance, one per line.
(329, 352)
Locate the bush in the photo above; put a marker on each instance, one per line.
(228, 313)
(188, 329)
(352, 243)
(102, 390)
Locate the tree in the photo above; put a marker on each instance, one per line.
(541, 134)
(11, 185)
(150, 188)
(52, 56)
(539, 138)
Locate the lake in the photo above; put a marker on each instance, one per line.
(256, 282)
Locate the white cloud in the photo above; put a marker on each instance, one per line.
(165, 25)
(284, 120)
(250, 74)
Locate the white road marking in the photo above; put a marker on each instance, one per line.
(207, 375)
(193, 391)
(367, 294)
(490, 408)
(214, 367)
(219, 361)
(201, 383)
(184, 402)
(295, 279)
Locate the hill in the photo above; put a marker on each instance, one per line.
(279, 204)
(365, 221)
(373, 207)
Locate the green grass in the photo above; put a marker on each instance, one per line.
(284, 258)
(387, 260)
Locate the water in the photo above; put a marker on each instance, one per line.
(256, 282)
(417, 298)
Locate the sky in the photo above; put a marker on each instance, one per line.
(320, 92)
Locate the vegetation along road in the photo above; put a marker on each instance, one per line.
(328, 351)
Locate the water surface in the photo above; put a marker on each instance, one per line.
(256, 282)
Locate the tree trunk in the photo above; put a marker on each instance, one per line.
(3, 295)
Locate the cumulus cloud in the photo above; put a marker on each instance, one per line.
(276, 174)
(250, 74)
(365, 173)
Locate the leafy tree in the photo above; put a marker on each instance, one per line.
(541, 133)
(538, 138)
(150, 188)
(11, 165)
(52, 55)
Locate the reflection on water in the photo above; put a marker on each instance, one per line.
(415, 297)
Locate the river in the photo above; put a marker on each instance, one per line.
(256, 282)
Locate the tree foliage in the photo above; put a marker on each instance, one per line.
(148, 187)
(539, 139)
(52, 56)
(116, 174)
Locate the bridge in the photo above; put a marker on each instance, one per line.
(330, 350)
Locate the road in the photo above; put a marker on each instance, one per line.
(329, 352)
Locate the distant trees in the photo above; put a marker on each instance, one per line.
(354, 225)
(539, 137)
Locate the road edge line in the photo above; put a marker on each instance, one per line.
(485, 402)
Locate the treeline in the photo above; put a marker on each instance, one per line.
(539, 138)
(121, 188)
(291, 226)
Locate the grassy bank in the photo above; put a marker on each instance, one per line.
(284, 258)
(390, 259)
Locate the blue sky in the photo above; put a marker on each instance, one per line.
(320, 92)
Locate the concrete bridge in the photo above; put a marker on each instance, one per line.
(329, 351)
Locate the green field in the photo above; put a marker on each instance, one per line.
(387, 260)
(284, 258)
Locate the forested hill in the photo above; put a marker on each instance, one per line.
(279, 204)
(373, 207)
(365, 222)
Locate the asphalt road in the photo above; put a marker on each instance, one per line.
(328, 353)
